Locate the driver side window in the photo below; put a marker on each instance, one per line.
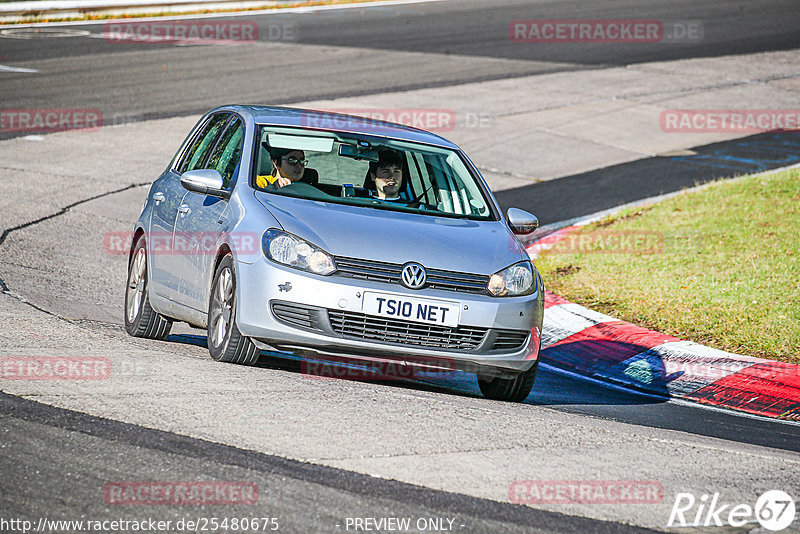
(195, 156)
(228, 152)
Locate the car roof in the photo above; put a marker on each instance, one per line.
(338, 122)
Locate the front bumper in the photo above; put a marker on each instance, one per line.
(263, 285)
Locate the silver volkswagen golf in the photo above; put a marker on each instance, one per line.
(336, 237)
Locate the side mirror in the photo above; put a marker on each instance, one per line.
(522, 222)
(204, 181)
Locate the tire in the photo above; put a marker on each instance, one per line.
(225, 342)
(140, 318)
(515, 389)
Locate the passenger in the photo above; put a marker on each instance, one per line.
(385, 176)
(289, 166)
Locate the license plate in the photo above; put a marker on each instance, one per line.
(429, 311)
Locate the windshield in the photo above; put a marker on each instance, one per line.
(367, 171)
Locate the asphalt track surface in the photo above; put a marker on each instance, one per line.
(303, 497)
(359, 51)
(347, 53)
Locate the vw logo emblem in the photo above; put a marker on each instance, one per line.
(413, 275)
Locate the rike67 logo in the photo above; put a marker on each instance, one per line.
(774, 510)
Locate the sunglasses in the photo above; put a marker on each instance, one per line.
(295, 161)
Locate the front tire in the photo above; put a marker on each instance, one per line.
(140, 318)
(225, 342)
(514, 389)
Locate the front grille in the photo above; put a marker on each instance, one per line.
(509, 340)
(294, 314)
(359, 325)
(390, 273)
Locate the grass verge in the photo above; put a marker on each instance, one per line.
(719, 266)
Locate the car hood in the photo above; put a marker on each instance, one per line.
(480, 247)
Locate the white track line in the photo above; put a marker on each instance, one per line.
(7, 68)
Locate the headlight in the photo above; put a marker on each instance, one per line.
(292, 251)
(512, 281)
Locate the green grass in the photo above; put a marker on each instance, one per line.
(719, 266)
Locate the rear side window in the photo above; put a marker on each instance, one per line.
(195, 156)
(228, 152)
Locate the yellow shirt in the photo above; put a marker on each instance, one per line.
(263, 180)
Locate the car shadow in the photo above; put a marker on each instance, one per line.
(563, 391)
(593, 372)
(612, 361)
(330, 369)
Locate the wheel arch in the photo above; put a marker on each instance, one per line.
(224, 249)
(137, 233)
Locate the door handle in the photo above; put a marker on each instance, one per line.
(158, 197)
(184, 208)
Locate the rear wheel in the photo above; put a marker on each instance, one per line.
(225, 342)
(511, 389)
(140, 318)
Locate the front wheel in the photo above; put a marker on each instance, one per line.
(225, 342)
(141, 320)
(513, 389)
